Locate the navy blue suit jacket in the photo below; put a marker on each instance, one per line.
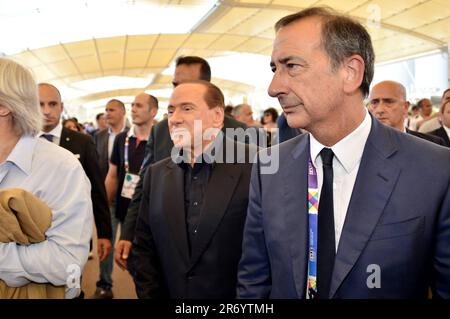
(398, 219)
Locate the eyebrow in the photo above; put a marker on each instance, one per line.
(285, 60)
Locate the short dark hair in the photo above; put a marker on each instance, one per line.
(205, 69)
(341, 37)
(419, 104)
(99, 115)
(445, 92)
(272, 112)
(213, 95)
(229, 110)
(118, 102)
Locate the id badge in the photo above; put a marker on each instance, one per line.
(129, 185)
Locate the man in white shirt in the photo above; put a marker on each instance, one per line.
(355, 209)
(52, 174)
(82, 146)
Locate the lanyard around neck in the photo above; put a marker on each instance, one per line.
(313, 207)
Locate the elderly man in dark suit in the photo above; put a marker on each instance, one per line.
(159, 147)
(83, 148)
(189, 230)
(356, 209)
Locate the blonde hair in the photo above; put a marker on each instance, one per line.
(19, 94)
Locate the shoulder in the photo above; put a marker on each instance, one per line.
(77, 136)
(161, 126)
(229, 122)
(421, 151)
(122, 135)
(428, 137)
(102, 134)
(54, 157)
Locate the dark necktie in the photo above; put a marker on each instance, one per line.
(48, 137)
(326, 240)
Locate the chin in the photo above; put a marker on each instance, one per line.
(294, 122)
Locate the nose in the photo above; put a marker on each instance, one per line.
(277, 85)
(175, 118)
(45, 109)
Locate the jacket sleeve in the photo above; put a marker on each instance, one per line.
(254, 279)
(102, 214)
(441, 279)
(146, 268)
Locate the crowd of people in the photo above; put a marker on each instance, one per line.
(355, 183)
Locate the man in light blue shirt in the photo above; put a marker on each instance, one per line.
(52, 174)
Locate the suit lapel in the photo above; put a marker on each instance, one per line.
(296, 212)
(63, 141)
(374, 184)
(444, 135)
(175, 214)
(220, 189)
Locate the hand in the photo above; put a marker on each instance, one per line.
(122, 252)
(103, 248)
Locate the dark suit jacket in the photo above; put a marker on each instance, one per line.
(398, 219)
(158, 147)
(428, 137)
(101, 144)
(440, 132)
(160, 255)
(83, 147)
(285, 132)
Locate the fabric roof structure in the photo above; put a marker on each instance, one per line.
(95, 50)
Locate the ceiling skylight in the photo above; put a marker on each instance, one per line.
(30, 24)
(111, 83)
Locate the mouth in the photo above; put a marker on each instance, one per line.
(290, 108)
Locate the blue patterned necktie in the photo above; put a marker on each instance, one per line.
(48, 137)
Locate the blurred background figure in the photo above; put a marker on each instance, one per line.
(229, 110)
(72, 124)
(269, 122)
(244, 113)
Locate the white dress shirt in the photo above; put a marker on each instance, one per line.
(447, 130)
(346, 160)
(56, 133)
(55, 176)
(111, 138)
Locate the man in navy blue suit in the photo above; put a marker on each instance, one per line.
(356, 209)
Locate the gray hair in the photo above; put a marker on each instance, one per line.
(19, 94)
(342, 37)
(237, 110)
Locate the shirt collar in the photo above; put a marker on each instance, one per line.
(447, 130)
(22, 153)
(130, 132)
(347, 151)
(55, 132)
(110, 132)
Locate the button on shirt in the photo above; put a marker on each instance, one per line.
(55, 176)
(348, 153)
